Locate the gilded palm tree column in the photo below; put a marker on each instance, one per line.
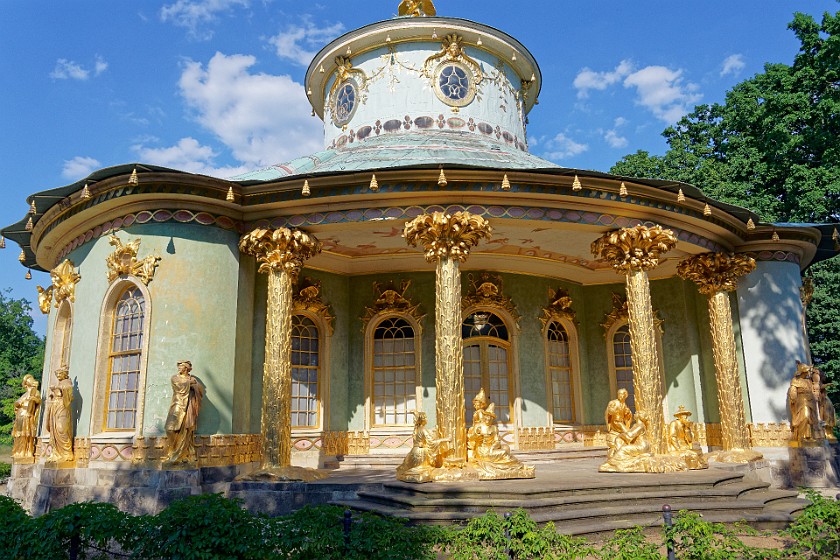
(717, 274)
(280, 253)
(447, 240)
(633, 251)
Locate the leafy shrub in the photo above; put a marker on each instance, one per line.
(816, 533)
(5, 470)
(692, 538)
(14, 529)
(629, 544)
(87, 528)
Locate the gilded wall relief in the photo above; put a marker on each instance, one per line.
(124, 262)
(391, 298)
(64, 280)
(485, 290)
(308, 298)
(559, 307)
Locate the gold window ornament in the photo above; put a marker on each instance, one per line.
(346, 92)
(456, 76)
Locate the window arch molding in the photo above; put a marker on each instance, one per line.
(370, 329)
(324, 339)
(99, 409)
(574, 367)
(62, 338)
(610, 336)
(512, 325)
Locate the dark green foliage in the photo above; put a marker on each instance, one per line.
(14, 523)
(816, 533)
(21, 352)
(695, 539)
(629, 544)
(772, 147)
(91, 528)
(5, 470)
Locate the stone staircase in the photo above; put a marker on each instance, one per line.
(579, 500)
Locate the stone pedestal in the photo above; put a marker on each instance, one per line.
(815, 466)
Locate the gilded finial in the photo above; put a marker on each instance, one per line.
(680, 196)
(229, 197)
(305, 190)
(505, 183)
(22, 256)
(374, 185)
(86, 192)
(707, 210)
(28, 226)
(132, 180)
(750, 224)
(416, 8)
(479, 42)
(2, 242)
(622, 191)
(835, 236)
(32, 209)
(576, 186)
(775, 236)
(442, 179)
(28, 275)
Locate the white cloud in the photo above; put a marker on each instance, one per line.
(589, 79)
(300, 43)
(79, 167)
(619, 121)
(732, 64)
(614, 139)
(663, 92)
(68, 70)
(263, 119)
(187, 155)
(195, 14)
(72, 70)
(561, 146)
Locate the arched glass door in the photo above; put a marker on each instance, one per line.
(487, 363)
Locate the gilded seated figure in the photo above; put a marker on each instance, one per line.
(618, 419)
(681, 440)
(60, 418)
(26, 419)
(488, 454)
(426, 453)
(182, 419)
(632, 452)
(804, 415)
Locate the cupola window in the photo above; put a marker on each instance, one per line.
(454, 84)
(344, 102)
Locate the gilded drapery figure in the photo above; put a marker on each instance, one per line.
(181, 421)
(60, 417)
(618, 419)
(26, 420)
(487, 452)
(681, 440)
(828, 415)
(804, 415)
(426, 453)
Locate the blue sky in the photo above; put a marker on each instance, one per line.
(205, 85)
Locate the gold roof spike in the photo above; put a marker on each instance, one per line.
(416, 8)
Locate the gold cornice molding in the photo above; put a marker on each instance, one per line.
(716, 272)
(391, 299)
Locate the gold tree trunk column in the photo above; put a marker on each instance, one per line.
(280, 253)
(716, 274)
(632, 252)
(447, 240)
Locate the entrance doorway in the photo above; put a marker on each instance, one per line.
(487, 363)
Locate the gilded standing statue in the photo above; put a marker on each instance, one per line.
(60, 417)
(804, 413)
(181, 421)
(26, 419)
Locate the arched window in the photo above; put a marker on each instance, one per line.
(558, 347)
(486, 362)
(622, 363)
(306, 369)
(394, 373)
(124, 360)
(60, 354)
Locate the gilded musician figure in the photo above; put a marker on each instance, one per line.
(26, 418)
(60, 417)
(181, 421)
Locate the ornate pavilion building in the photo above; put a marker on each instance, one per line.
(422, 115)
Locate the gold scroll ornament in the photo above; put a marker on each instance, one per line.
(717, 274)
(280, 253)
(633, 251)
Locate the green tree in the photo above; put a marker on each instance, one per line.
(21, 352)
(773, 147)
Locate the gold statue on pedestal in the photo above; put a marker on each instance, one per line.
(681, 440)
(426, 454)
(488, 457)
(60, 418)
(804, 409)
(182, 419)
(26, 421)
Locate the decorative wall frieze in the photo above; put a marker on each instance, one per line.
(619, 313)
(211, 451)
(559, 307)
(770, 434)
(124, 262)
(64, 280)
(391, 298)
(536, 438)
(308, 298)
(485, 290)
(715, 272)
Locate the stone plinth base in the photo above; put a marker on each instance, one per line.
(815, 466)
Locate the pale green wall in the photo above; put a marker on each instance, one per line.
(193, 313)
